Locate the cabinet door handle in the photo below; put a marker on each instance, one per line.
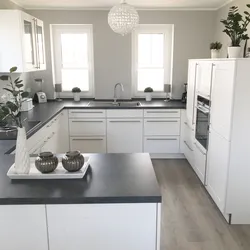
(121, 121)
(199, 148)
(86, 112)
(87, 139)
(161, 121)
(87, 121)
(161, 139)
(188, 146)
(162, 112)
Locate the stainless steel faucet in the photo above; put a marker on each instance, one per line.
(115, 94)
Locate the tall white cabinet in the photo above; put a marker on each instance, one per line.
(22, 42)
(224, 168)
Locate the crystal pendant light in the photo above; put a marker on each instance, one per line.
(123, 18)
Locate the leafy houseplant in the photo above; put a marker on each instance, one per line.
(76, 92)
(215, 49)
(10, 113)
(236, 29)
(148, 92)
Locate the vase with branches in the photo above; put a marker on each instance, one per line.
(236, 28)
(11, 119)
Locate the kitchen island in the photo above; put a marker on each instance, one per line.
(115, 206)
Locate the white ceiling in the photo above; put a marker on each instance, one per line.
(151, 4)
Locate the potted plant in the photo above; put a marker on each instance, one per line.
(215, 49)
(148, 91)
(236, 29)
(76, 92)
(10, 111)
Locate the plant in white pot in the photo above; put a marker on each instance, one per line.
(236, 29)
(215, 49)
(76, 92)
(148, 91)
(10, 111)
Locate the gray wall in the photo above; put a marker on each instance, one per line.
(6, 4)
(221, 14)
(194, 31)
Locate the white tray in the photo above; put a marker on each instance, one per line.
(59, 173)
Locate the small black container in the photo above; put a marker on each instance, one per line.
(73, 161)
(46, 162)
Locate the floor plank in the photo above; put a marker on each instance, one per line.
(190, 220)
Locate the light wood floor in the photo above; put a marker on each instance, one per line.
(190, 220)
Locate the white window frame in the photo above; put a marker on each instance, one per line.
(168, 31)
(57, 57)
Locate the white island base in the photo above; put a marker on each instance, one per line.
(133, 226)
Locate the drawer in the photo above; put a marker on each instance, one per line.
(189, 152)
(78, 127)
(131, 113)
(162, 145)
(164, 113)
(87, 113)
(88, 144)
(170, 126)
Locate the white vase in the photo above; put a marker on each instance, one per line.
(215, 53)
(148, 97)
(77, 97)
(22, 159)
(234, 52)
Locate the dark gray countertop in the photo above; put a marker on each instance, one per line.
(111, 178)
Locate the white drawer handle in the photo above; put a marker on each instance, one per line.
(161, 139)
(88, 139)
(162, 112)
(125, 121)
(86, 112)
(199, 148)
(87, 121)
(161, 121)
(188, 146)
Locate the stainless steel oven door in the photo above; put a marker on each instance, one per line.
(202, 125)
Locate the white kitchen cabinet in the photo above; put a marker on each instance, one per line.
(90, 144)
(204, 78)
(200, 157)
(27, 50)
(83, 127)
(162, 113)
(217, 170)
(191, 90)
(62, 132)
(124, 135)
(87, 113)
(103, 226)
(162, 144)
(222, 97)
(23, 227)
(167, 126)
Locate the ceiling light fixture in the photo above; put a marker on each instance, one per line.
(123, 18)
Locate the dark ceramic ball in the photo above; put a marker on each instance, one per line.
(73, 161)
(46, 162)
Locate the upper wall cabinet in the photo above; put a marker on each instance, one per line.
(22, 42)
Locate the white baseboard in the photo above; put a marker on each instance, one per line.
(167, 156)
(240, 219)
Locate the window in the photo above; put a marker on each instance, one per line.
(73, 57)
(152, 58)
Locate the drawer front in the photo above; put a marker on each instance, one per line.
(164, 113)
(189, 152)
(127, 113)
(87, 113)
(78, 127)
(162, 145)
(162, 126)
(88, 144)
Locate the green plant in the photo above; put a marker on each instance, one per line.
(236, 25)
(215, 46)
(10, 111)
(148, 90)
(76, 90)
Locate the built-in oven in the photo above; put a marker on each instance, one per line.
(202, 121)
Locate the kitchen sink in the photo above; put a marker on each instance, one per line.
(112, 104)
